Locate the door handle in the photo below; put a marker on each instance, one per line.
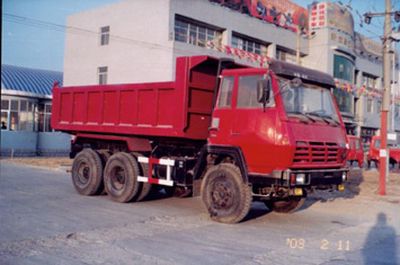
(235, 133)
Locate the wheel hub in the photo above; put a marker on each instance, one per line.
(118, 178)
(83, 173)
(221, 195)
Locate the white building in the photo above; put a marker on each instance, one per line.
(138, 41)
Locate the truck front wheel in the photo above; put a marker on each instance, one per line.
(224, 194)
(120, 177)
(87, 172)
(289, 205)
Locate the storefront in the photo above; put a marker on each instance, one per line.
(26, 113)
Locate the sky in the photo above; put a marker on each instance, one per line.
(31, 43)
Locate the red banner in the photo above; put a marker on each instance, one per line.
(283, 13)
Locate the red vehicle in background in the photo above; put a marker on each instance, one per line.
(373, 153)
(242, 134)
(356, 151)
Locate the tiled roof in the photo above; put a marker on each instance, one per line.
(29, 80)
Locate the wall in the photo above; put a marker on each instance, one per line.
(22, 143)
(19, 142)
(140, 49)
(230, 20)
(145, 50)
(53, 143)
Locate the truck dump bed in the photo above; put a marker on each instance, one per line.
(181, 108)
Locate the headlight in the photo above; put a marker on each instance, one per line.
(344, 176)
(301, 178)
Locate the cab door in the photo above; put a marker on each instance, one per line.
(222, 118)
(253, 127)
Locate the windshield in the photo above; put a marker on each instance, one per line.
(308, 100)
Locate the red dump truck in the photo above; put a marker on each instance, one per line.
(240, 133)
(373, 153)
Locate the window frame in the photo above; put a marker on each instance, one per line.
(336, 69)
(104, 35)
(24, 116)
(232, 88)
(102, 75)
(248, 44)
(370, 105)
(249, 106)
(192, 30)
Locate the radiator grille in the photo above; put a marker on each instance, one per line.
(316, 152)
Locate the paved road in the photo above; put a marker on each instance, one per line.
(44, 221)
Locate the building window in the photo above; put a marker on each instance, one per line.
(17, 115)
(286, 56)
(26, 116)
(343, 68)
(14, 117)
(369, 105)
(378, 106)
(5, 106)
(248, 44)
(370, 81)
(196, 33)
(104, 35)
(397, 111)
(344, 100)
(102, 74)
(44, 117)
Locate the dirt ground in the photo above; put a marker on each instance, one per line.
(47, 162)
(45, 221)
(366, 182)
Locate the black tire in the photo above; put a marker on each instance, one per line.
(147, 188)
(285, 206)
(104, 155)
(225, 196)
(120, 177)
(87, 172)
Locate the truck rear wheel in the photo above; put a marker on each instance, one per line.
(226, 197)
(120, 177)
(285, 206)
(87, 172)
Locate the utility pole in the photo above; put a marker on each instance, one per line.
(387, 40)
(383, 152)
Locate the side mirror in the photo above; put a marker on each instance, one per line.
(263, 90)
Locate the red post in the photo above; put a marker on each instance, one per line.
(383, 153)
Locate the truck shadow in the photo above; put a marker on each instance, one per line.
(352, 189)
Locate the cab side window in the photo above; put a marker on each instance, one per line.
(225, 94)
(247, 93)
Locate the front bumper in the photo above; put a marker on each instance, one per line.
(290, 178)
(314, 178)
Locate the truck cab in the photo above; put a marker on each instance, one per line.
(356, 151)
(373, 153)
(286, 125)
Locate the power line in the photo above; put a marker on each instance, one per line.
(31, 22)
